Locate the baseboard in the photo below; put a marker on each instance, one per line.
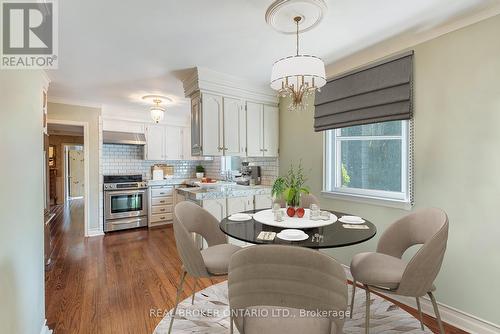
(95, 233)
(450, 315)
(45, 329)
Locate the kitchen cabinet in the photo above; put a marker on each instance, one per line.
(195, 133)
(217, 207)
(164, 142)
(262, 130)
(122, 126)
(234, 127)
(161, 205)
(263, 202)
(186, 144)
(239, 204)
(212, 133)
(155, 142)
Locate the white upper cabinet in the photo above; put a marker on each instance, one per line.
(155, 142)
(234, 143)
(122, 126)
(271, 131)
(195, 131)
(186, 144)
(262, 130)
(254, 129)
(212, 133)
(174, 141)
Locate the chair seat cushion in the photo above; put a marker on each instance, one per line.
(284, 320)
(378, 269)
(217, 258)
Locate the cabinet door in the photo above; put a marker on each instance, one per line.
(271, 131)
(195, 133)
(155, 142)
(233, 114)
(263, 202)
(212, 125)
(122, 126)
(254, 129)
(186, 144)
(217, 207)
(173, 149)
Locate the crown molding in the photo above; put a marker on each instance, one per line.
(206, 80)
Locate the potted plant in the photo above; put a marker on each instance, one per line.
(290, 187)
(200, 171)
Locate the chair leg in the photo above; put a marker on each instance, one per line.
(436, 311)
(177, 297)
(420, 314)
(231, 328)
(194, 291)
(352, 297)
(367, 315)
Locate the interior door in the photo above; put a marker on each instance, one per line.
(271, 131)
(173, 149)
(155, 142)
(76, 173)
(254, 129)
(212, 125)
(233, 115)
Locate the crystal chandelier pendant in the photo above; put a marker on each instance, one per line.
(157, 111)
(298, 77)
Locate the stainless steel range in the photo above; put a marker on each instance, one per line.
(125, 202)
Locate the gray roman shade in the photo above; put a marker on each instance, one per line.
(378, 92)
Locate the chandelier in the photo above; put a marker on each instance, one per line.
(157, 110)
(298, 76)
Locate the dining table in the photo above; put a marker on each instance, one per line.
(334, 235)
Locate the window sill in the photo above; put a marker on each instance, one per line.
(391, 203)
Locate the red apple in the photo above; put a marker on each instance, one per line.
(300, 212)
(290, 211)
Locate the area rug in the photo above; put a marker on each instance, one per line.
(210, 314)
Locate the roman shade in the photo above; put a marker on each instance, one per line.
(378, 92)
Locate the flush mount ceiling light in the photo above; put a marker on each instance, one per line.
(157, 110)
(297, 76)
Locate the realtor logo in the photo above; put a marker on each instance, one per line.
(29, 34)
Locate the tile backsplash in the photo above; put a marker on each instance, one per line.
(128, 159)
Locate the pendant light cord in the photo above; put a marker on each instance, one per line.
(297, 20)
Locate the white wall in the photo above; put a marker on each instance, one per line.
(457, 161)
(22, 309)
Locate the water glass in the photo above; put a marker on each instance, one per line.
(278, 216)
(315, 212)
(276, 207)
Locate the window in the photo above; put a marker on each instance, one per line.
(370, 162)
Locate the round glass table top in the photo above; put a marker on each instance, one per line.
(329, 236)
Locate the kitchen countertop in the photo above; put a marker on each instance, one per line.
(169, 182)
(199, 194)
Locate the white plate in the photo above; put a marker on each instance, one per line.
(351, 221)
(267, 217)
(292, 235)
(240, 217)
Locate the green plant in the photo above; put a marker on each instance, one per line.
(291, 186)
(346, 179)
(200, 169)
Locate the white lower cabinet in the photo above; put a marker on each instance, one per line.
(263, 202)
(237, 205)
(161, 205)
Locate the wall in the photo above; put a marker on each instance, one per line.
(59, 141)
(22, 309)
(457, 114)
(128, 159)
(66, 112)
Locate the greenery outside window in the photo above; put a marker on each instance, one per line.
(370, 162)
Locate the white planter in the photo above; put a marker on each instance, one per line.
(200, 175)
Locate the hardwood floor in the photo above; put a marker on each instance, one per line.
(118, 283)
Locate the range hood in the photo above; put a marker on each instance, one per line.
(124, 138)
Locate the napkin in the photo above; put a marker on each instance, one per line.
(355, 227)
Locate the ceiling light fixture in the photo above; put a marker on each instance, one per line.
(157, 110)
(298, 76)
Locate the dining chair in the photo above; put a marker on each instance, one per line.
(212, 261)
(267, 279)
(385, 271)
(305, 201)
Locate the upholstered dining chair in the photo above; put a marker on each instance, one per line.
(385, 271)
(305, 201)
(266, 279)
(212, 261)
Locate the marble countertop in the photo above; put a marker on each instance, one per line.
(169, 182)
(199, 194)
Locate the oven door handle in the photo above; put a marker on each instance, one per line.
(130, 192)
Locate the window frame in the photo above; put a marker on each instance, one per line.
(332, 169)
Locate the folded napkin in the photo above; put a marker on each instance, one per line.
(355, 227)
(352, 218)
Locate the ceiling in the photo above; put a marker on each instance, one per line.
(112, 52)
